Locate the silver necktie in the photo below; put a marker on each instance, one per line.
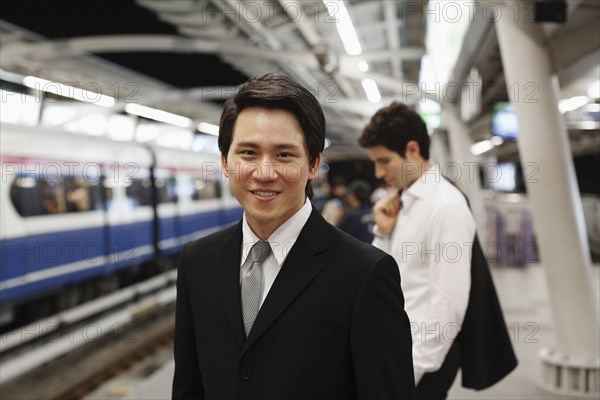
(252, 282)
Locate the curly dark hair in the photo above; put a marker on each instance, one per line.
(277, 92)
(393, 127)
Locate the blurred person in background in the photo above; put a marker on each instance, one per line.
(358, 220)
(333, 209)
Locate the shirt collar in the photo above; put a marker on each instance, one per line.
(422, 187)
(282, 239)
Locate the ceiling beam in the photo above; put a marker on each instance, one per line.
(574, 45)
(393, 34)
(54, 49)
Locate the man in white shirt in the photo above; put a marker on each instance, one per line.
(313, 313)
(429, 230)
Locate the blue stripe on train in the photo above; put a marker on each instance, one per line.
(84, 249)
(33, 253)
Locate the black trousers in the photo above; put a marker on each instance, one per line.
(435, 385)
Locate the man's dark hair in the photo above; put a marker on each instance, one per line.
(282, 93)
(393, 127)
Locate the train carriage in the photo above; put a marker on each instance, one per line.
(83, 215)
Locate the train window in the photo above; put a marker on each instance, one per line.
(81, 195)
(32, 195)
(167, 190)
(53, 196)
(25, 194)
(205, 189)
(139, 193)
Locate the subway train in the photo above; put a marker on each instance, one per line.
(82, 215)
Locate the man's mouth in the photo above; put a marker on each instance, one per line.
(262, 193)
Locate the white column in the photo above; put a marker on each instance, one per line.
(438, 149)
(468, 164)
(551, 184)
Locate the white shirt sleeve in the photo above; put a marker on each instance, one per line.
(383, 243)
(448, 259)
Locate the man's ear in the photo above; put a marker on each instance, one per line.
(413, 150)
(312, 169)
(224, 165)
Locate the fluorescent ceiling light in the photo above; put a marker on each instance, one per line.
(337, 10)
(158, 115)
(481, 147)
(371, 90)
(572, 103)
(68, 91)
(210, 129)
(496, 140)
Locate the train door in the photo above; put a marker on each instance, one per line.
(166, 199)
(130, 215)
(201, 212)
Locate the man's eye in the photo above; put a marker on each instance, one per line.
(285, 155)
(247, 152)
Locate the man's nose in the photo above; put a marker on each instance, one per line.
(266, 170)
(379, 172)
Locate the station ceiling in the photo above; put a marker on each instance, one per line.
(187, 56)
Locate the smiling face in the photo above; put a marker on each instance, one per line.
(268, 167)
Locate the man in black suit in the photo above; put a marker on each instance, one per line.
(314, 314)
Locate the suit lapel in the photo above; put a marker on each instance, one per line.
(228, 267)
(299, 269)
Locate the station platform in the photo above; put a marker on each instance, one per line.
(528, 315)
(157, 386)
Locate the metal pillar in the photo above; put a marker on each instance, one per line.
(574, 366)
(438, 149)
(469, 182)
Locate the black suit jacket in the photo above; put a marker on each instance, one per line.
(332, 327)
(487, 354)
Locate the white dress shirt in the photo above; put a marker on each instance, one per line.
(281, 242)
(431, 243)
